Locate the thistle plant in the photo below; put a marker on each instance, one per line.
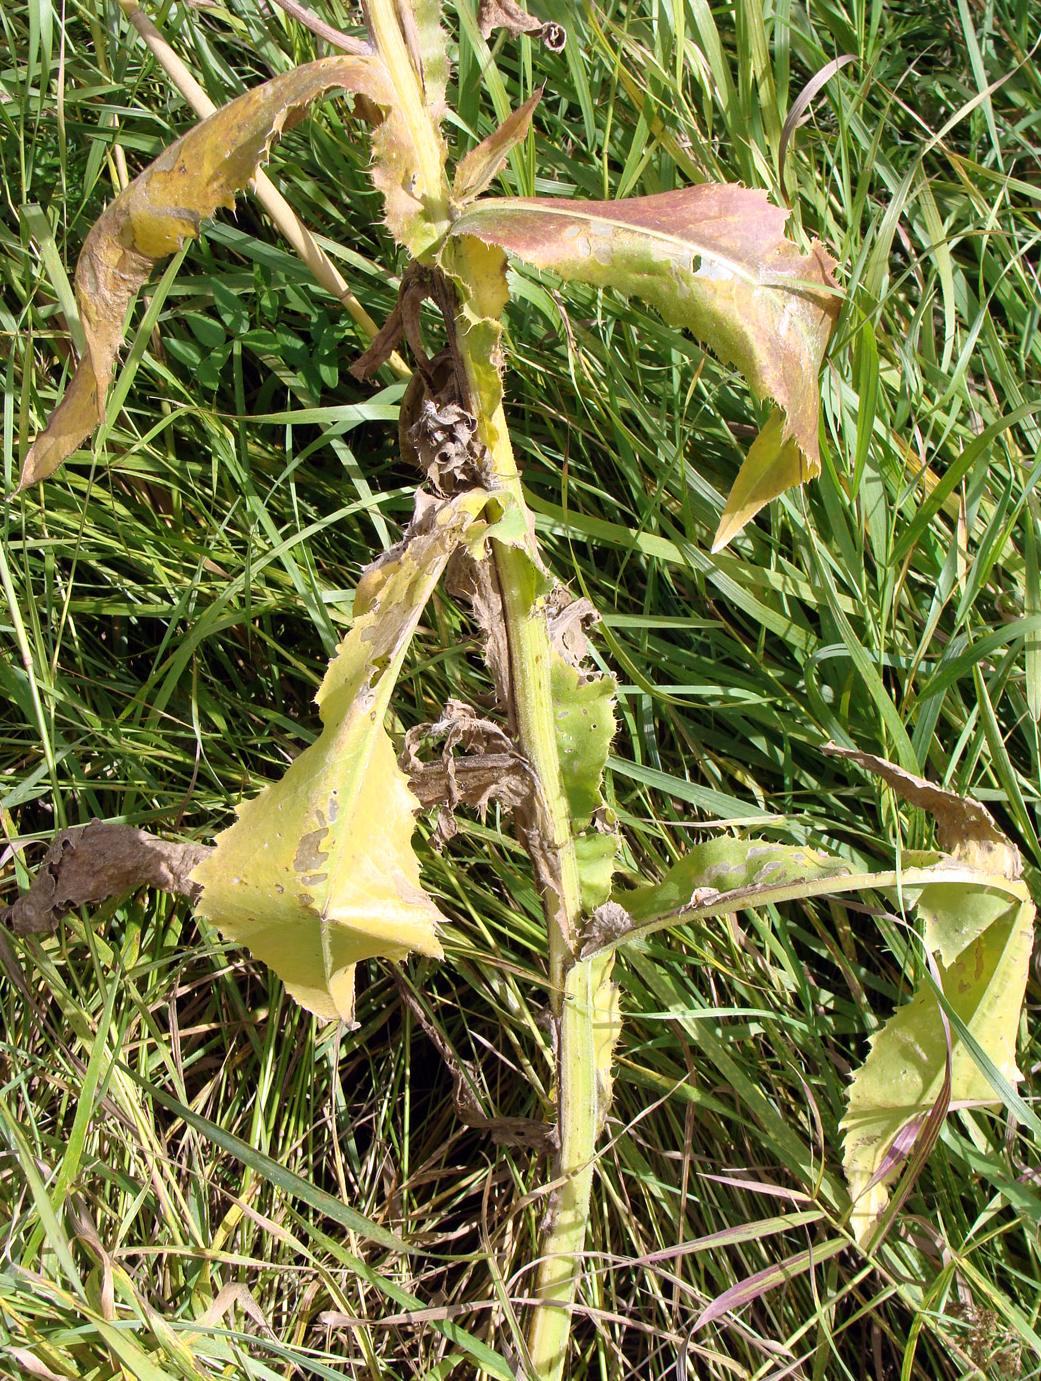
(318, 873)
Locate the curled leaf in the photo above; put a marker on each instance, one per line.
(162, 208)
(508, 15)
(97, 861)
(482, 164)
(713, 259)
(318, 873)
(964, 827)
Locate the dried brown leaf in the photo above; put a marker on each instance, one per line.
(489, 768)
(98, 861)
(964, 828)
(508, 15)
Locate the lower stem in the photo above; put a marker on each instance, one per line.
(588, 1010)
(579, 990)
(573, 985)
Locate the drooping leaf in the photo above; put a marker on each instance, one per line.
(979, 922)
(713, 259)
(481, 165)
(727, 865)
(964, 827)
(162, 208)
(982, 932)
(905, 1072)
(318, 873)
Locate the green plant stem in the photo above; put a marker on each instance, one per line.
(431, 185)
(573, 1002)
(577, 989)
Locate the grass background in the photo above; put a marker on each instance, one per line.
(172, 597)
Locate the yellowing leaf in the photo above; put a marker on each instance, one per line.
(482, 164)
(983, 934)
(164, 206)
(713, 259)
(318, 873)
(775, 462)
(904, 1074)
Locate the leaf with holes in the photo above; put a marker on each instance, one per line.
(318, 873)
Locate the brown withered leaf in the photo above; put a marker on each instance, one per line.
(162, 208)
(482, 164)
(508, 15)
(964, 828)
(489, 768)
(98, 861)
(713, 259)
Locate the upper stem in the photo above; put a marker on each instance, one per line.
(431, 184)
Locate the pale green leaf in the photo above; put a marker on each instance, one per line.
(983, 934)
(583, 710)
(597, 854)
(318, 872)
(725, 865)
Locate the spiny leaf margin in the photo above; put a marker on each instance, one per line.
(317, 872)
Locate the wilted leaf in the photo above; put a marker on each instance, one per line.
(482, 164)
(101, 860)
(714, 259)
(162, 208)
(318, 873)
(965, 828)
(508, 15)
(904, 1073)
(983, 933)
